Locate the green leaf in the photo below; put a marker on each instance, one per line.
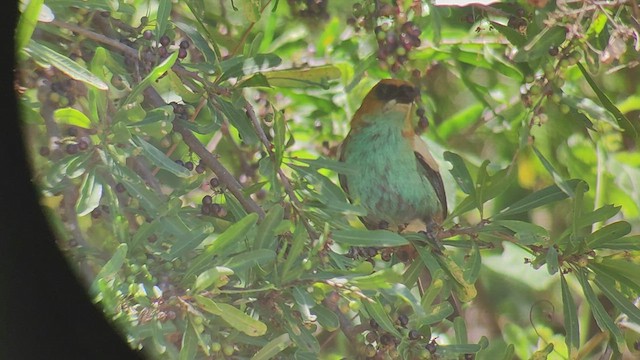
(189, 347)
(606, 102)
(266, 230)
(461, 330)
(232, 315)
(540, 44)
(376, 312)
(230, 236)
(199, 42)
(151, 78)
(303, 302)
(159, 159)
(64, 64)
(608, 286)
(526, 233)
(239, 65)
(626, 272)
(239, 120)
(625, 243)
(190, 242)
(90, 194)
(446, 350)
(356, 237)
(607, 234)
(162, 18)
(297, 245)
(514, 36)
(557, 178)
(247, 259)
(460, 121)
(299, 334)
(324, 163)
(27, 23)
(539, 198)
(599, 215)
(380, 279)
(604, 321)
(273, 347)
(72, 116)
(326, 318)
(318, 76)
(214, 276)
(460, 173)
(111, 267)
(571, 325)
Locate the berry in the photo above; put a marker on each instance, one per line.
(147, 34)
(189, 165)
(214, 183)
(72, 149)
(96, 213)
(144, 21)
(403, 320)
(120, 188)
(553, 51)
(207, 199)
(182, 53)
(373, 324)
(44, 151)
(180, 162)
(72, 131)
(386, 339)
(184, 44)
(205, 209)
(200, 168)
(83, 145)
(164, 40)
(414, 334)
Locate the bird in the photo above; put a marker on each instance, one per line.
(393, 176)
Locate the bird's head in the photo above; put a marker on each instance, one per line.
(387, 95)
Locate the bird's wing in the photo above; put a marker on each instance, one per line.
(430, 167)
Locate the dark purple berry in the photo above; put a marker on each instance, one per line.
(152, 238)
(72, 149)
(72, 131)
(83, 145)
(44, 151)
(373, 324)
(120, 188)
(147, 34)
(96, 213)
(188, 165)
(164, 40)
(386, 339)
(180, 162)
(403, 320)
(182, 53)
(184, 44)
(163, 52)
(144, 20)
(205, 209)
(414, 335)
(207, 199)
(200, 169)
(553, 51)
(105, 13)
(214, 183)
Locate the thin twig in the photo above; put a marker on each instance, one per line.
(286, 183)
(221, 172)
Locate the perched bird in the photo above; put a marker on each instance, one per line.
(394, 178)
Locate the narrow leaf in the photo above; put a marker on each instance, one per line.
(159, 159)
(377, 313)
(232, 315)
(273, 347)
(90, 194)
(64, 64)
(110, 267)
(355, 237)
(571, 325)
(460, 172)
(607, 234)
(539, 198)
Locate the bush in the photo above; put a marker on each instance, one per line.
(186, 156)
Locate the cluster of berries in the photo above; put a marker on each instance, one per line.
(550, 84)
(73, 143)
(56, 89)
(208, 206)
(380, 344)
(394, 45)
